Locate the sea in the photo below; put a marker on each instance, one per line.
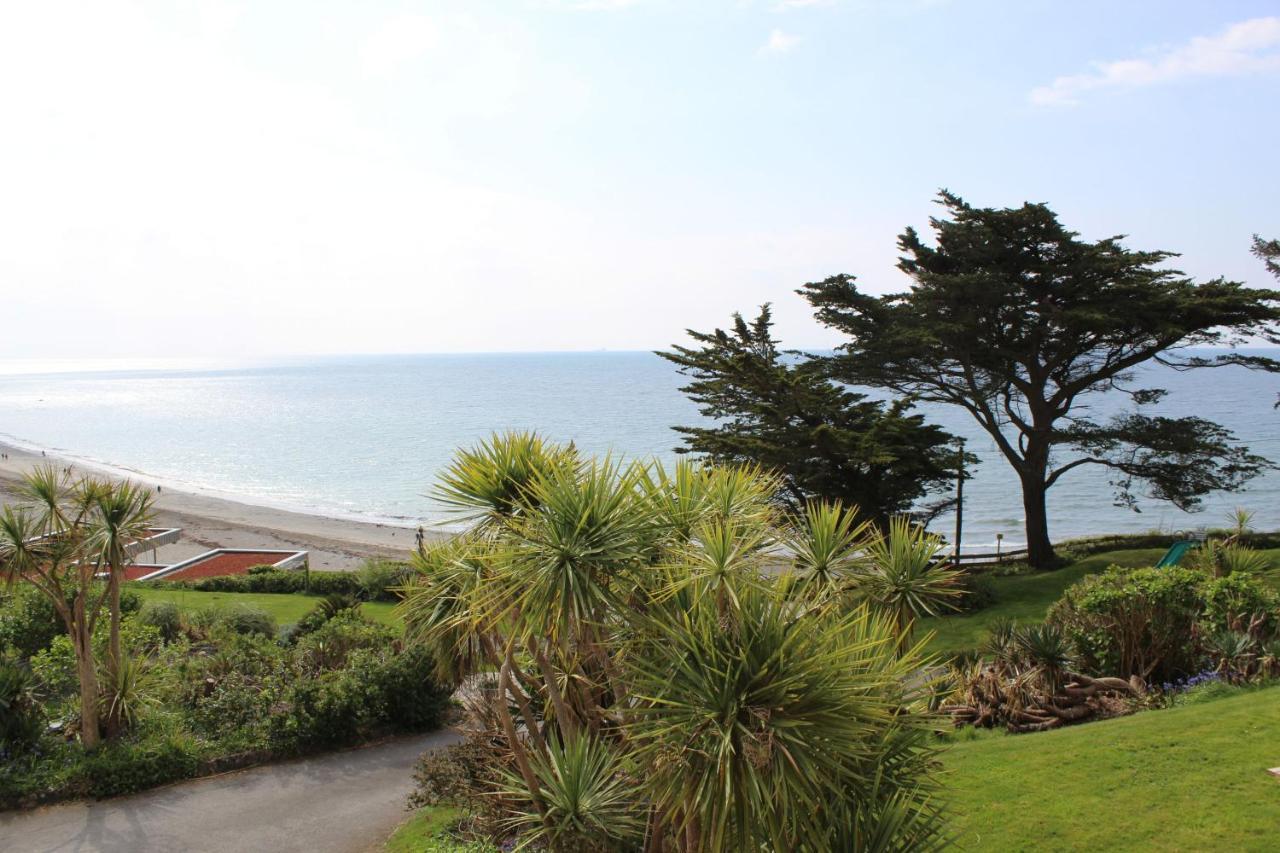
(365, 437)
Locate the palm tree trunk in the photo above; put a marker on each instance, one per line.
(113, 722)
(82, 644)
(517, 748)
(564, 715)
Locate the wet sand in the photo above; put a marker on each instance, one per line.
(214, 522)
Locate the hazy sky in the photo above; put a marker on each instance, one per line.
(241, 179)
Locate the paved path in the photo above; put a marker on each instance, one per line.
(344, 802)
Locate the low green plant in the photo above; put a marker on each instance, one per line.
(1237, 601)
(164, 616)
(247, 619)
(136, 763)
(21, 716)
(1126, 622)
(128, 689)
(589, 803)
(379, 579)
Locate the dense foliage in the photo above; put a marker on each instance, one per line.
(666, 678)
(377, 580)
(62, 537)
(203, 691)
(1016, 320)
(781, 411)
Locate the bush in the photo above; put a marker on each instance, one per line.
(273, 580)
(378, 579)
(335, 604)
(21, 717)
(1126, 622)
(164, 616)
(378, 691)
(247, 619)
(977, 592)
(1232, 602)
(28, 622)
(234, 706)
(126, 766)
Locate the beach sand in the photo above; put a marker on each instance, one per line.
(211, 522)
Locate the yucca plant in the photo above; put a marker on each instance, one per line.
(62, 535)
(1045, 655)
(591, 804)
(441, 604)
(827, 546)
(130, 689)
(906, 576)
(652, 671)
(21, 720)
(754, 726)
(491, 483)
(119, 517)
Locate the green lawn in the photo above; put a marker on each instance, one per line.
(1188, 778)
(1025, 598)
(285, 607)
(425, 832)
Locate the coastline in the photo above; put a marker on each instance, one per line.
(215, 522)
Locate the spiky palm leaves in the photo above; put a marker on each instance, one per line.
(765, 726)
(64, 534)
(1024, 680)
(591, 803)
(625, 608)
(120, 514)
(906, 577)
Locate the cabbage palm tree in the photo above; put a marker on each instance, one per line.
(906, 577)
(653, 670)
(118, 519)
(57, 541)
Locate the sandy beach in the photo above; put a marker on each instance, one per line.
(212, 522)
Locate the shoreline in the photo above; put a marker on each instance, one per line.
(334, 543)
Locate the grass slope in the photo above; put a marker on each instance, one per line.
(285, 607)
(1026, 598)
(1188, 778)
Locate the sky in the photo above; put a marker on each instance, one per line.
(234, 180)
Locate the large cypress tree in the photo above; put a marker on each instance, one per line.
(780, 409)
(1019, 322)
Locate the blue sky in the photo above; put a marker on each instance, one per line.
(221, 179)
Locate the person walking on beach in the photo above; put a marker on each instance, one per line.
(419, 537)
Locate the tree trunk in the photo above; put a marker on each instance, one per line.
(82, 643)
(114, 723)
(1039, 549)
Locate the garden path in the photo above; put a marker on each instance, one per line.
(342, 802)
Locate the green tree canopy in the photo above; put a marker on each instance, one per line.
(780, 410)
(1015, 319)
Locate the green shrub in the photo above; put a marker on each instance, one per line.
(273, 580)
(28, 622)
(248, 619)
(977, 592)
(21, 717)
(163, 615)
(1126, 622)
(236, 705)
(125, 766)
(55, 669)
(377, 691)
(1232, 602)
(378, 579)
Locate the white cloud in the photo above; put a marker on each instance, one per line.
(1249, 47)
(780, 42)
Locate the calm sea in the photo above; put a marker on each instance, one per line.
(366, 436)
